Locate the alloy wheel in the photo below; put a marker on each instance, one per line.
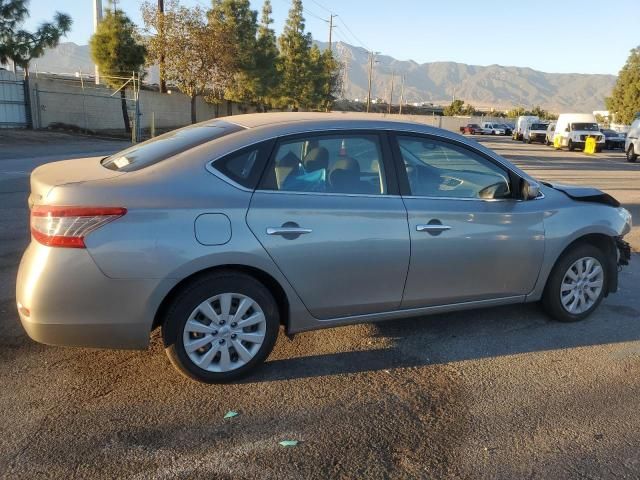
(582, 285)
(224, 332)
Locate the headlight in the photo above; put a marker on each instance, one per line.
(625, 215)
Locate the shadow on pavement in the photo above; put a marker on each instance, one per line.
(468, 335)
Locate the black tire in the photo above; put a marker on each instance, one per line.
(547, 142)
(529, 140)
(632, 156)
(551, 297)
(570, 145)
(598, 149)
(197, 292)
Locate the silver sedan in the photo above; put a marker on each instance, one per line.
(222, 232)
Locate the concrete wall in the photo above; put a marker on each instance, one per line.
(65, 100)
(56, 100)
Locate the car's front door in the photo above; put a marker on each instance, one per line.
(328, 212)
(471, 239)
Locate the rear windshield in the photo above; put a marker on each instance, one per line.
(167, 145)
(588, 127)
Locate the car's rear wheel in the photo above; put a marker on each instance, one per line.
(632, 156)
(576, 284)
(570, 145)
(221, 327)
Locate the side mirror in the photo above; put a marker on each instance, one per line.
(566, 129)
(530, 190)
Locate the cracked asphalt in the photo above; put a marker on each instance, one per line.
(494, 393)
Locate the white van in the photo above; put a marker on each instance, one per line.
(521, 124)
(573, 129)
(535, 132)
(632, 143)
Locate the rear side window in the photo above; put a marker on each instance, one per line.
(333, 163)
(165, 146)
(245, 166)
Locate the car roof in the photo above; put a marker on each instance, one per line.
(283, 123)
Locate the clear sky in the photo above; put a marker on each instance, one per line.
(553, 36)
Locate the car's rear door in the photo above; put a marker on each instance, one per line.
(465, 245)
(329, 214)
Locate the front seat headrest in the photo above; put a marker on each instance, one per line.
(345, 175)
(316, 159)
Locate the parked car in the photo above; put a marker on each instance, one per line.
(493, 128)
(521, 124)
(535, 132)
(613, 139)
(472, 129)
(632, 142)
(573, 129)
(222, 232)
(508, 130)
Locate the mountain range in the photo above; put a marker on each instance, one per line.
(492, 86)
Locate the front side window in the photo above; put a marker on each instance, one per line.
(336, 163)
(442, 169)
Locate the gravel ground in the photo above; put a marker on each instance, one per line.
(494, 393)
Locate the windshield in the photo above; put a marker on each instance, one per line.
(588, 127)
(539, 126)
(165, 146)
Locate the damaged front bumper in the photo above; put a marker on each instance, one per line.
(624, 251)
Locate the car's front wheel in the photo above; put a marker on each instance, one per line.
(631, 154)
(576, 284)
(220, 327)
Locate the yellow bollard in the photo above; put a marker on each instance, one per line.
(557, 142)
(590, 146)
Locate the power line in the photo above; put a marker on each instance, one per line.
(353, 34)
(322, 6)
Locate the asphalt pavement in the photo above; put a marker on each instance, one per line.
(494, 393)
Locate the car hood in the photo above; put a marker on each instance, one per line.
(584, 194)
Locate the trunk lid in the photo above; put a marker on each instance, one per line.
(46, 177)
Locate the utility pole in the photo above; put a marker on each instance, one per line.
(401, 95)
(393, 74)
(97, 18)
(163, 84)
(371, 60)
(331, 27)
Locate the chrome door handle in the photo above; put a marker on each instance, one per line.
(288, 231)
(433, 228)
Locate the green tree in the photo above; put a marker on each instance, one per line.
(267, 74)
(12, 14)
(198, 59)
(455, 108)
(624, 101)
(116, 51)
(516, 112)
(21, 46)
(295, 47)
(235, 20)
(325, 79)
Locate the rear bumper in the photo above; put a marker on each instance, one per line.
(64, 299)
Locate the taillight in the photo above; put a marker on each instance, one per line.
(57, 226)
